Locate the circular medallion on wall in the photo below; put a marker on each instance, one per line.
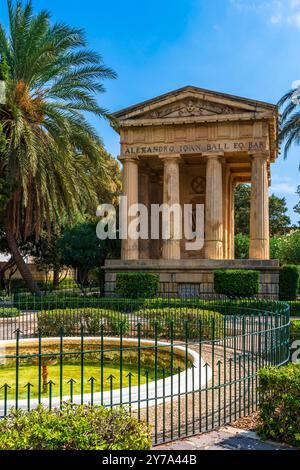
(198, 185)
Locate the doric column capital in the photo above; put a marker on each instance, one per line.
(169, 157)
(212, 155)
(258, 155)
(128, 158)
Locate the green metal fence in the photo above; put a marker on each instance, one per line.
(183, 366)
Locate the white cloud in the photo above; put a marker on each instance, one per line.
(283, 188)
(275, 19)
(276, 12)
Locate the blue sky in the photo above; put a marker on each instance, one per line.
(243, 47)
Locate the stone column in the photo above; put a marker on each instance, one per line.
(214, 207)
(232, 186)
(144, 198)
(130, 247)
(259, 214)
(226, 221)
(171, 196)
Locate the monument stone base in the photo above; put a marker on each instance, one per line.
(189, 278)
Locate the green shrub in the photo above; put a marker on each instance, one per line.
(53, 300)
(295, 330)
(288, 282)
(193, 323)
(9, 312)
(224, 306)
(89, 320)
(241, 246)
(236, 282)
(280, 403)
(295, 308)
(73, 428)
(135, 285)
(288, 247)
(59, 300)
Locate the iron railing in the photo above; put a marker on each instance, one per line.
(183, 366)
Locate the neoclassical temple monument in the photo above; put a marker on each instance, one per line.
(193, 146)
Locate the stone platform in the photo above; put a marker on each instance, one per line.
(188, 278)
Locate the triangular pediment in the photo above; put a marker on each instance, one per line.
(192, 102)
(191, 107)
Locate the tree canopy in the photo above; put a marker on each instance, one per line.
(53, 162)
(297, 206)
(279, 220)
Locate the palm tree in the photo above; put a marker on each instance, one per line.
(290, 120)
(52, 151)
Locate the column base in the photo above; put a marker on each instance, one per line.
(259, 249)
(171, 249)
(130, 251)
(213, 249)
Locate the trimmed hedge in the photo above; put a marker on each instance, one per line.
(54, 300)
(288, 282)
(19, 285)
(295, 330)
(236, 282)
(135, 285)
(295, 308)
(190, 323)
(9, 312)
(280, 404)
(73, 428)
(88, 320)
(224, 306)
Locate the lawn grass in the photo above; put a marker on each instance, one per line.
(29, 374)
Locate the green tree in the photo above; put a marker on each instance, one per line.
(279, 220)
(47, 254)
(297, 206)
(53, 156)
(241, 246)
(242, 209)
(290, 121)
(81, 249)
(288, 248)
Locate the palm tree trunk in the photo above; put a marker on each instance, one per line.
(20, 263)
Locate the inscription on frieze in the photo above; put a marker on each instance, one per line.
(238, 146)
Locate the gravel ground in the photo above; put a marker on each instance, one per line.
(213, 407)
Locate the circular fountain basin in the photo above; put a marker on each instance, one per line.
(190, 380)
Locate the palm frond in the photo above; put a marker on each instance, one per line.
(54, 158)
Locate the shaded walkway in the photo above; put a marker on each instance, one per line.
(226, 438)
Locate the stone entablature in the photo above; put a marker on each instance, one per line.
(200, 118)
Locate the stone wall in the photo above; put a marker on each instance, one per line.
(193, 277)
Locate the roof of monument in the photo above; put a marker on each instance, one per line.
(193, 105)
(195, 92)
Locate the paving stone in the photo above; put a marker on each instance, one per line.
(227, 438)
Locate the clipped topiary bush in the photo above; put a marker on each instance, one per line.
(288, 282)
(53, 300)
(135, 285)
(236, 282)
(280, 404)
(88, 320)
(73, 428)
(9, 312)
(190, 323)
(295, 330)
(295, 307)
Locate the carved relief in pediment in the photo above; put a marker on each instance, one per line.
(189, 108)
